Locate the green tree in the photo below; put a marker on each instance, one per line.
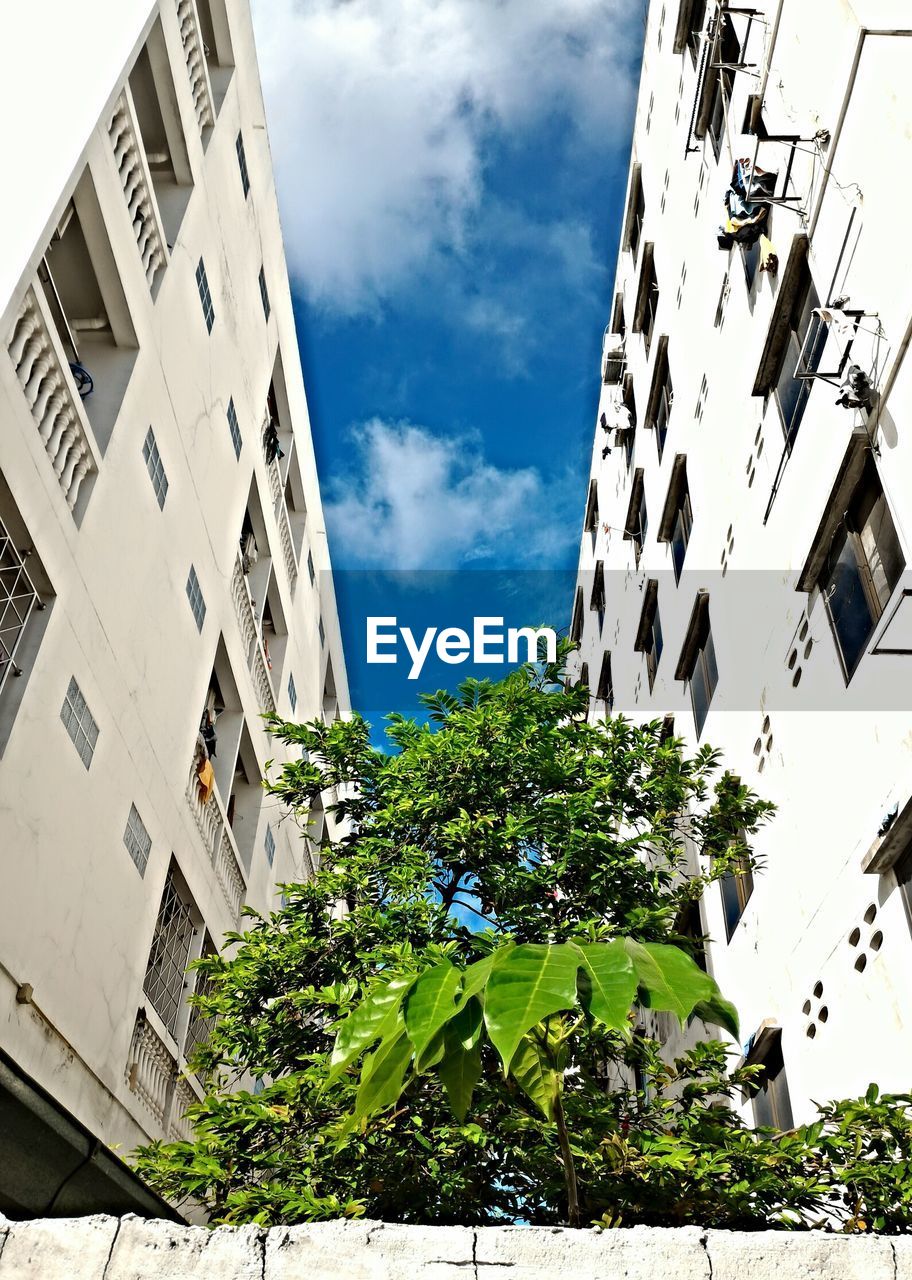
(504, 819)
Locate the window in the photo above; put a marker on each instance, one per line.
(771, 1103)
(137, 840)
(264, 294)
(202, 283)
(902, 869)
(576, 622)
(863, 566)
(636, 523)
(169, 954)
(661, 397)
(722, 81)
(292, 694)
(311, 571)
(201, 1025)
(689, 926)
(242, 164)
(322, 631)
(627, 434)
(636, 211)
(697, 663)
(605, 688)
(792, 393)
(18, 600)
(736, 886)
(234, 428)
(270, 845)
(156, 467)
(590, 524)
(618, 323)
(677, 516)
(697, 21)
(79, 723)
(597, 599)
(195, 596)
(649, 633)
(647, 303)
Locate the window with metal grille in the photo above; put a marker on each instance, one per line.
(79, 723)
(156, 467)
(137, 840)
(202, 283)
(170, 953)
(264, 294)
(201, 1024)
(292, 693)
(234, 428)
(270, 845)
(242, 163)
(18, 599)
(195, 596)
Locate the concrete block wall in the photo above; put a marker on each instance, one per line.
(131, 1248)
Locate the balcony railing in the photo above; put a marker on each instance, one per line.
(218, 839)
(196, 64)
(50, 394)
(151, 1069)
(179, 1128)
(137, 188)
(288, 555)
(250, 637)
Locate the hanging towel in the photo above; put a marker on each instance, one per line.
(206, 777)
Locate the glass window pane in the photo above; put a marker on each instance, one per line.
(848, 607)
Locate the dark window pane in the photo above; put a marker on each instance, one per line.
(848, 607)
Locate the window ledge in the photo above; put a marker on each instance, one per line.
(887, 849)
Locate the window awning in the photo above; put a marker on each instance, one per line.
(889, 848)
(694, 637)
(591, 508)
(677, 485)
(847, 478)
(597, 598)
(647, 275)
(682, 26)
(659, 378)
(647, 614)
(790, 282)
(636, 186)
(633, 506)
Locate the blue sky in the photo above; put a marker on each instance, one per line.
(450, 176)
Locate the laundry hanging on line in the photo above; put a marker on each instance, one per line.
(746, 204)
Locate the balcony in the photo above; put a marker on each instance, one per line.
(136, 181)
(218, 839)
(51, 396)
(197, 73)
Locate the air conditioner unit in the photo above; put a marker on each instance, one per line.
(614, 360)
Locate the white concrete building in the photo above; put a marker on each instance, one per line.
(745, 562)
(163, 561)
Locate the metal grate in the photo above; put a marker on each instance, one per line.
(292, 694)
(79, 723)
(234, 428)
(18, 598)
(156, 467)
(202, 283)
(169, 955)
(270, 845)
(242, 164)
(201, 1026)
(264, 294)
(195, 596)
(137, 840)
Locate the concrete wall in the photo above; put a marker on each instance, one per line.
(135, 1249)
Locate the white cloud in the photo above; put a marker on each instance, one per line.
(380, 113)
(416, 500)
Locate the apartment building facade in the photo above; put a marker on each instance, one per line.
(744, 564)
(164, 571)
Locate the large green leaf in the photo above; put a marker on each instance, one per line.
(477, 974)
(669, 979)
(532, 981)
(373, 1019)
(612, 981)
(534, 1074)
(429, 1005)
(460, 1067)
(383, 1074)
(719, 1012)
